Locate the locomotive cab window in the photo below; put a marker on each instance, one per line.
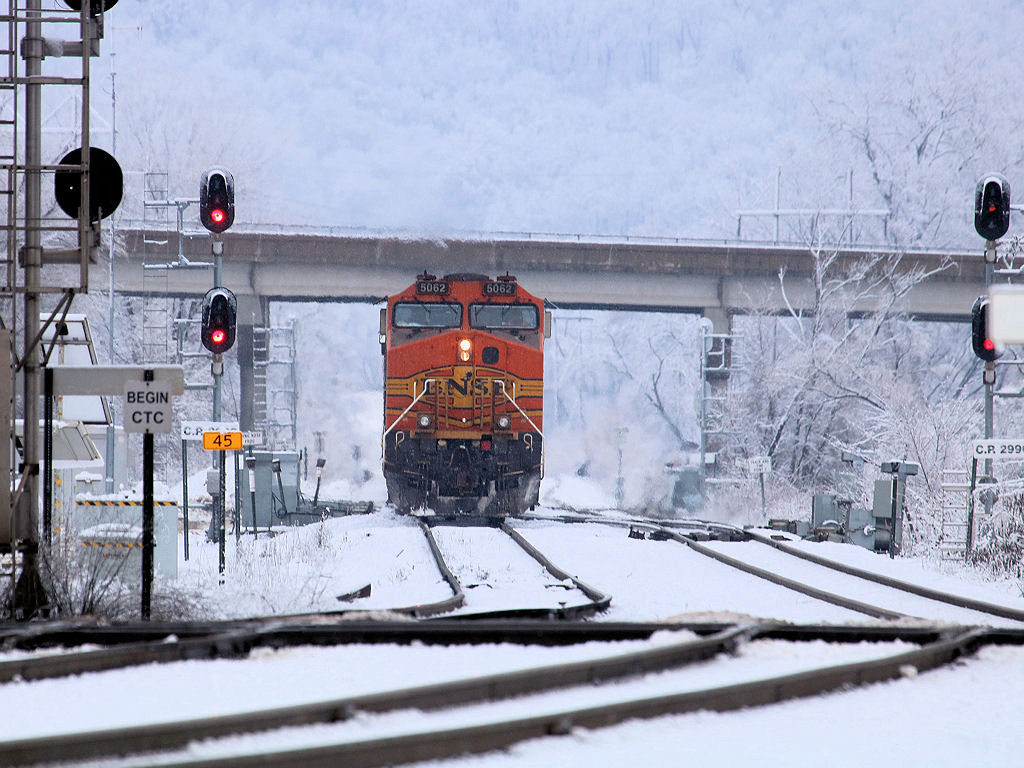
(508, 317)
(427, 315)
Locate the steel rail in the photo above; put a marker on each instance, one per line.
(932, 594)
(698, 529)
(164, 736)
(458, 597)
(599, 601)
(476, 739)
(782, 581)
(226, 645)
(236, 643)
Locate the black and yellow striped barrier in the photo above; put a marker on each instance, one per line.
(124, 503)
(113, 544)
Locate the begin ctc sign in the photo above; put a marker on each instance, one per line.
(147, 407)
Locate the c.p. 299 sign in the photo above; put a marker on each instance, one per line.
(998, 448)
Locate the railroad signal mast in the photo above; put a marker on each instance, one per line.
(217, 214)
(220, 309)
(991, 221)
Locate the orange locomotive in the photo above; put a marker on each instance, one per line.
(463, 395)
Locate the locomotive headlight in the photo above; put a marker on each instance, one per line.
(423, 420)
(465, 347)
(504, 422)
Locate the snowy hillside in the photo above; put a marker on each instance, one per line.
(612, 117)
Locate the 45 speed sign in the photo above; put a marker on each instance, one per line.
(222, 441)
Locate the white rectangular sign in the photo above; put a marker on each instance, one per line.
(760, 465)
(1006, 314)
(998, 448)
(193, 430)
(253, 438)
(111, 379)
(147, 407)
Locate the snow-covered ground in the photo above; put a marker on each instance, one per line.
(944, 718)
(962, 715)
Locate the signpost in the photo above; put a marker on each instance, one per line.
(147, 407)
(760, 465)
(194, 430)
(986, 450)
(222, 438)
(148, 410)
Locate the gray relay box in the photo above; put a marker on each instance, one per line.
(277, 493)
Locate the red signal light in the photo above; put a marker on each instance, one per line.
(989, 344)
(218, 336)
(217, 216)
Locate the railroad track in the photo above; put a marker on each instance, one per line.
(702, 538)
(959, 601)
(595, 600)
(136, 644)
(144, 643)
(936, 649)
(171, 642)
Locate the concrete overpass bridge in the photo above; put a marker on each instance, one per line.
(715, 279)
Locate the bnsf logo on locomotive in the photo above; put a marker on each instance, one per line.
(469, 384)
(500, 289)
(432, 286)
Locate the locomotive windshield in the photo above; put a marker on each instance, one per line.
(427, 315)
(520, 317)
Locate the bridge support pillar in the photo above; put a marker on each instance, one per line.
(721, 320)
(253, 312)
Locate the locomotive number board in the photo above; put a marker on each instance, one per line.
(436, 287)
(500, 289)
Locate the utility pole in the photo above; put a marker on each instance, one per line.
(29, 594)
(88, 185)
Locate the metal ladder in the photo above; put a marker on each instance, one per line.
(716, 367)
(275, 383)
(9, 115)
(156, 310)
(956, 493)
(9, 127)
(260, 372)
(56, 231)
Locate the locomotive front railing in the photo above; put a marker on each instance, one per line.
(511, 399)
(416, 398)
